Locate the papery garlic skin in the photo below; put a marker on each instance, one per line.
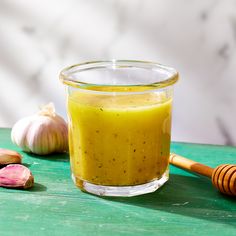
(16, 176)
(43, 133)
(19, 133)
(9, 157)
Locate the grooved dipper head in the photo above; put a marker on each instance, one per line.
(224, 179)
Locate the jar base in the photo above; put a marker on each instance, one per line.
(121, 191)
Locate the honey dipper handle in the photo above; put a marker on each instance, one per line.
(190, 165)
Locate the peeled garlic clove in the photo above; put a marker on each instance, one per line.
(43, 133)
(16, 176)
(9, 157)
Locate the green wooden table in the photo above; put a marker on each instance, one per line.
(186, 205)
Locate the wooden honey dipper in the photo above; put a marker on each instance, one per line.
(223, 177)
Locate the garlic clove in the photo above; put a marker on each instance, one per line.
(16, 176)
(43, 133)
(9, 157)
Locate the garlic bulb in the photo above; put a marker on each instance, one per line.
(43, 133)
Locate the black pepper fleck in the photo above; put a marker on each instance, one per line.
(134, 150)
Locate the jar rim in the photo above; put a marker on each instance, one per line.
(172, 76)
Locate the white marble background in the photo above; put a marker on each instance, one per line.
(38, 38)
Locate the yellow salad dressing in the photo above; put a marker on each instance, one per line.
(119, 140)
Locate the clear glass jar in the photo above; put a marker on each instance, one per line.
(119, 117)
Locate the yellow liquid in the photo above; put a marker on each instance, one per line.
(119, 140)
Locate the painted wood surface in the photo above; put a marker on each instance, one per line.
(186, 205)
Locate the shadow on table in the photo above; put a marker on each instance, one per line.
(188, 196)
(58, 157)
(38, 188)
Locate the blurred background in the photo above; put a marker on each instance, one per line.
(38, 38)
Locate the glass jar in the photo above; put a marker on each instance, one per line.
(119, 117)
